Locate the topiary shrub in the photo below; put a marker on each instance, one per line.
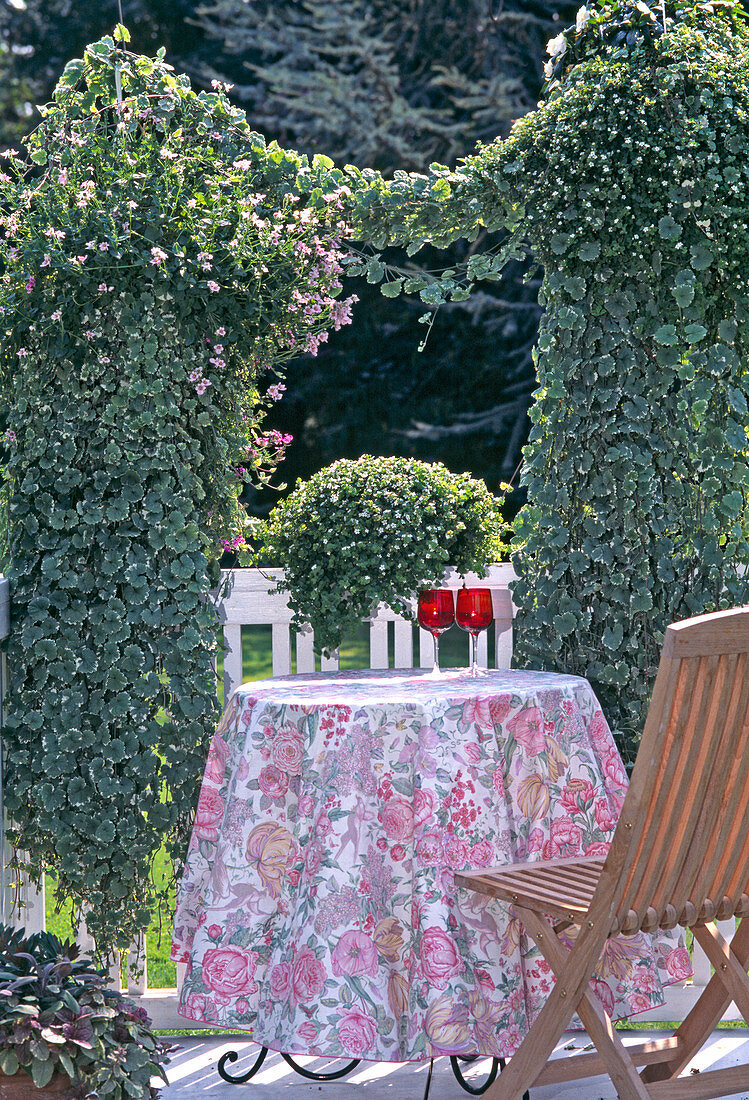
(157, 264)
(373, 530)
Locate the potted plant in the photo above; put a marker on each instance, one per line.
(375, 530)
(62, 1032)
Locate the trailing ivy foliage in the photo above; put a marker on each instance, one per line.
(158, 263)
(634, 184)
(630, 186)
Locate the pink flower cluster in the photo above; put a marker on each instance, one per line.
(274, 438)
(201, 383)
(232, 545)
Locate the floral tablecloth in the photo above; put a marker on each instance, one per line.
(318, 910)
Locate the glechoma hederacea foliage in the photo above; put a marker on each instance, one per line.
(630, 185)
(158, 264)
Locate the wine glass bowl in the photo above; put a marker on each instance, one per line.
(436, 613)
(473, 614)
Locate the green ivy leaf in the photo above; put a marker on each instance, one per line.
(666, 334)
(702, 256)
(560, 242)
(694, 333)
(669, 229)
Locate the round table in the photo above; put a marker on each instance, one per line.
(317, 909)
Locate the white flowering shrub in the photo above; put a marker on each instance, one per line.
(373, 530)
(158, 264)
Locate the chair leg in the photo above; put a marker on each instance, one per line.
(532, 1055)
(732, 973)
(702, 1019)
(596, 1021)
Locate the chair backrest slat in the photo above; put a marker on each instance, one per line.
(682, 836)
(697, 857)
(650, 831)
(732, 871)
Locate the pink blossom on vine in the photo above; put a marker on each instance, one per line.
(31, 283)
(213, 286)
(274, 438)
(47, 260)
(340, 312)
(10, 435)
(275, 391)
(238, 543)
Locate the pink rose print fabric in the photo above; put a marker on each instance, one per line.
(318, 909)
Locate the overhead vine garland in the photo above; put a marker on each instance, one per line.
(157, 264)
(630, 185)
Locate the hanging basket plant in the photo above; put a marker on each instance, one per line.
(158, 264)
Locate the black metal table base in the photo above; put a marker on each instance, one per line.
(455, 1060)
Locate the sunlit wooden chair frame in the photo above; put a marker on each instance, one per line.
(679, 856)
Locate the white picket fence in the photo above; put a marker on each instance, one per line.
(248, 598)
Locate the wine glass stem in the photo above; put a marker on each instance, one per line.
(474, 653)
(436, 652)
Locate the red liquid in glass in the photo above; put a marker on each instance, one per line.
(436, 611)
(474, 609)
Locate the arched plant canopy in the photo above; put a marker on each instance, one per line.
(160, 262)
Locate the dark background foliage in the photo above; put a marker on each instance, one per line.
(388, 84)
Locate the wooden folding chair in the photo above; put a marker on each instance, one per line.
(679, 856)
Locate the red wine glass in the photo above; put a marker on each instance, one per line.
(436, 614)
(473, 614)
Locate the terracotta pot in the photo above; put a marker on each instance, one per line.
(21, 1087)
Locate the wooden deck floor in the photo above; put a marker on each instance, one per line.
(192, 1074)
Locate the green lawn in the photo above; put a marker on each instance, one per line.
(256, 665)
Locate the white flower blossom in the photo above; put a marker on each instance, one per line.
(557, 47)
(582, 20)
